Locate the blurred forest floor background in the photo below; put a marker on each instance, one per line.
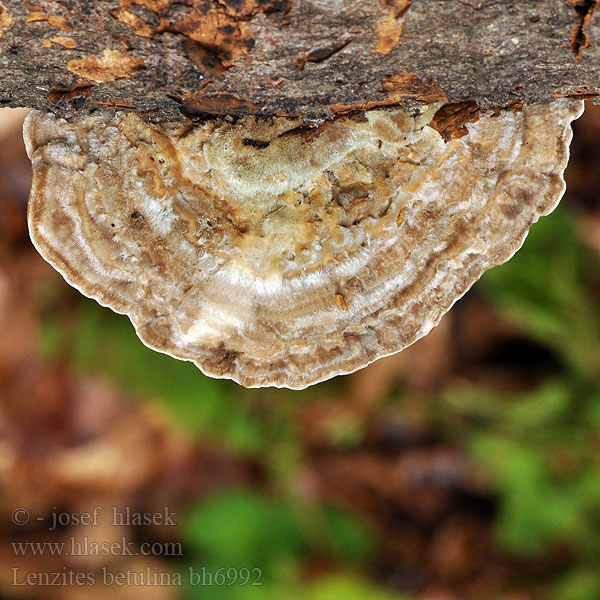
(466, 467)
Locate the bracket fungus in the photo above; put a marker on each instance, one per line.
(277, 255)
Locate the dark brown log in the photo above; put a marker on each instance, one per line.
(315, 59)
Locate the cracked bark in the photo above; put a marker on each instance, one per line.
(315, 59)
(585, 10)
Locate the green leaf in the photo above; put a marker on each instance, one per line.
(536, 509)
(579, 584)
(242, 528)
(346, 587)
(544, 288)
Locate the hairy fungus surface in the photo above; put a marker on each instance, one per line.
(274, 255)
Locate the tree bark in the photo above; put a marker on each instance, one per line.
(314, 59)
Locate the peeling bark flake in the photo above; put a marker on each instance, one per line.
(585, 10)
(5, 19)
(110, 66)
(408, 85)
(65, 42)
(389, 29)
(451, 120)
(220, 27)
(53, 20)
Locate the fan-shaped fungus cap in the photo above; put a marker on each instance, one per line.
(276, 257)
